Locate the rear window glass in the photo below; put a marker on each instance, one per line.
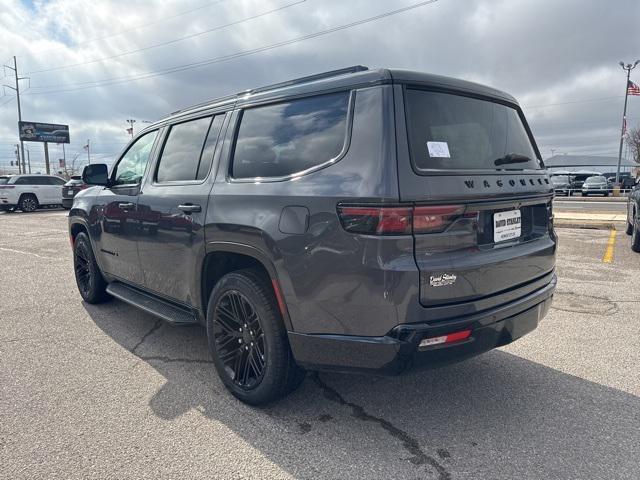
(283, 139)
(453, 132)
(4, 180)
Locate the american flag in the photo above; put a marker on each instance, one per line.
(632, 88)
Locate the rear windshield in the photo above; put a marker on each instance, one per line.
(453, 132)
(3, 180)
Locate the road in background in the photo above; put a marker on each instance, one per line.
(108, 391)
(595, 204)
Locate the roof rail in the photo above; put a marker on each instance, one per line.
(307, 79)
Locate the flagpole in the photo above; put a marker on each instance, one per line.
(628, 69)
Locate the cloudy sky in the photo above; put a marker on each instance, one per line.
(93, 65)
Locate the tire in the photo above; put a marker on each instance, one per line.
(635, 236)
(629, 229)
(28, 203)
(248, 341)
(91, 284)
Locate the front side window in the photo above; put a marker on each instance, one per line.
(286, 138)
(454, 132)
(188, 150)
(130, 168)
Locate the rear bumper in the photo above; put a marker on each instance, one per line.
(399, 350)
(67, 202)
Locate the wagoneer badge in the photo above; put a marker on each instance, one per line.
(442, 280)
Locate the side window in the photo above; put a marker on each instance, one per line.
(188, 150)
(130, 169)
(27, 181)
(53, 181)
(285, 138)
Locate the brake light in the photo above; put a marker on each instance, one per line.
(443, 339)
(380, 220)
(376, 220)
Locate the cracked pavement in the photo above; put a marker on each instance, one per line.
(110, 392)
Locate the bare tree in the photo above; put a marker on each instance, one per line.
(633, 141)
(71, 170)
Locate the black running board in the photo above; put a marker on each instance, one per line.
(170, 312)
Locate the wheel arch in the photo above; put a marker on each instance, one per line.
(225, 257)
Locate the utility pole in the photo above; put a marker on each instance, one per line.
(17, 90)
(18, 159)
(88, 152)
(130, 121)
(628, 67)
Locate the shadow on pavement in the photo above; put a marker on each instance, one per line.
(495, 416)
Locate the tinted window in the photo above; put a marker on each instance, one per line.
(4, 180)
(28, 181)
(131, 166)
(53, 181)
(278, 140)
(449, 131)
(188, 151)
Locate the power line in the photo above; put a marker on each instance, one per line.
(169, 42)
(131, 29)
(244, 53)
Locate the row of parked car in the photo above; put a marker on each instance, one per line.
(589, 184)
(30, 192)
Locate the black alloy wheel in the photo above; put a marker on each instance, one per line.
(239, 339)
(91, 284)
(248, 340)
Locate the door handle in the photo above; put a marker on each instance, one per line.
(190, 208)
(126, 206)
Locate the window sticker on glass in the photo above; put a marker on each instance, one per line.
(438, 149)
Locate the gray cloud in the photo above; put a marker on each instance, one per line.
(541, 51)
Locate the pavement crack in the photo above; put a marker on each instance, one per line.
(166, 359)
(155, 327)
(419, 457)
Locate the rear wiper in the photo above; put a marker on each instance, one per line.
(511, 158)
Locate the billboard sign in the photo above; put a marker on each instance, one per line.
(43, 132)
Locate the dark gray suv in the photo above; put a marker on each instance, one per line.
(356, 220)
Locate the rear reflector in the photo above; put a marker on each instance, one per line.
(381, 220)
(449, 338)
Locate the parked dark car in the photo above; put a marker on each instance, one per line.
(357, 220)
(596, 185)
(70, 189)
(561, 184)
(633, 217)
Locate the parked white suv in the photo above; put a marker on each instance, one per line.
(29, 192)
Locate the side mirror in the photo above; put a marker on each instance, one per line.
(96, 174)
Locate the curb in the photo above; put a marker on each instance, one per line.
(593, 225)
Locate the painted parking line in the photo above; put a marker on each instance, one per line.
(611, 243)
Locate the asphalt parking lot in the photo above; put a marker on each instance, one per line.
(110, 392)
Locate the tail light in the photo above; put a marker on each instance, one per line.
(380, 220)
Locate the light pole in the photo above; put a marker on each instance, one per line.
(131, 121)
(628, 67)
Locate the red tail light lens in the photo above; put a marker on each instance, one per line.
(376, 220)
(401, 220)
